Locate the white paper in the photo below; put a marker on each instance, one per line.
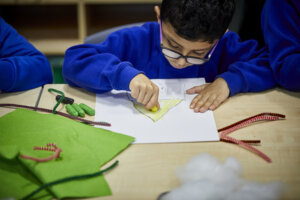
(180, 124)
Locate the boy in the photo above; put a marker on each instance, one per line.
(281, 29)
(193, 43)
(22, 67)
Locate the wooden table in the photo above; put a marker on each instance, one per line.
(29, 98)
(146, 170)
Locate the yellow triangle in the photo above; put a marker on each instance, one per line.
(165, 106)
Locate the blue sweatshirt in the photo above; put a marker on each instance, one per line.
(130, 51)
(281, 29)
(22, 67)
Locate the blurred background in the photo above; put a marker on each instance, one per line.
(52, 26)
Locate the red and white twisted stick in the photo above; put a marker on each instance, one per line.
(240, 124)
(48, 148)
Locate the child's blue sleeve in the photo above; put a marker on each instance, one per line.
(108, 65)
(281, 29)
(250, 71)
(22, 66)
(249, 76)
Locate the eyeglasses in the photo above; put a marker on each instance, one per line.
(192, 60)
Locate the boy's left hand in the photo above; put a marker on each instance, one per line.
(210, 96)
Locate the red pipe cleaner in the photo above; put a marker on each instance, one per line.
(48, 148)
(240, 124)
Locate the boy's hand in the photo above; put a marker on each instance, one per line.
(210, 96)
(144, 91)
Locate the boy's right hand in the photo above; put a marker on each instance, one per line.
(144, 91)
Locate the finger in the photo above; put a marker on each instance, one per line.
(158, 105)
(156, 91)
(200, 103)
(135, 93)
(207, 104)
(148, 95)
(141, 94)
(196, 89)
(153, 102)
(213, 107)
(217, 102)
(195, 100)
(154, 99)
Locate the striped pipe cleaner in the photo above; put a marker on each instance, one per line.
(50, 147)
(243, 123)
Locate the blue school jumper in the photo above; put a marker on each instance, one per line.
(22, 66)
(130, 51)
(281, 29)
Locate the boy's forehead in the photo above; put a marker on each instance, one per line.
(170, 33)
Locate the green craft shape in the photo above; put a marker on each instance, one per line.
(165, 106)
(84, 150)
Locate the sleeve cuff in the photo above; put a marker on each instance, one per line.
(126, 75)
(235, 83)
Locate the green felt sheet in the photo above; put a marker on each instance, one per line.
(15, 179)
(84, 150)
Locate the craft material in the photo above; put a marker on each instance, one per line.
(54, 156)
(99, 123)
(66, 100)
(88, 110)
(72, 178)
(155, 115)
(85, 149)
(252, 142)
(240, 124)
(154, 109)
(80, 111)
(205, 177)
(179, 124)
(71, 110)
(59, 101)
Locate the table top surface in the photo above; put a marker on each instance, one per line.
(28, 98)
(147, 170)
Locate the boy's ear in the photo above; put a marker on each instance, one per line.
(157, 11)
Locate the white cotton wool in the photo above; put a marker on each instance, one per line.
(252, 190)
(204, 177)
(199, 167)
(206, 166)
(191, 191)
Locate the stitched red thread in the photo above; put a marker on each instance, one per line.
(240, 124)
(48, 148)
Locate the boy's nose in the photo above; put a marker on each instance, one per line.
(181, 62)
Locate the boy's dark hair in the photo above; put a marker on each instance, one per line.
(193, 20)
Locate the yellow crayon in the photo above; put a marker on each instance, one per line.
(154, 109)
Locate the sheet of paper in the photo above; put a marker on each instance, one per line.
(180, 124)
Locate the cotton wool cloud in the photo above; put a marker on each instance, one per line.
(204, 177)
